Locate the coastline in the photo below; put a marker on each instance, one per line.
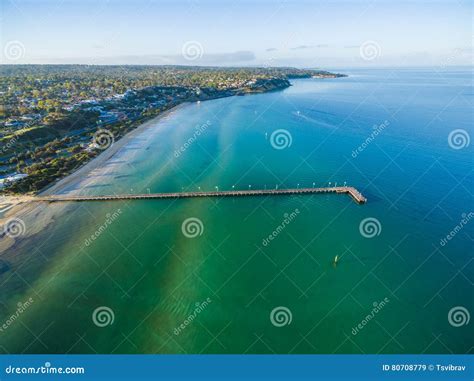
(75, 177)
(35, 217)
(62, 184)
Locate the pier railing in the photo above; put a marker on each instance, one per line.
(351, 191)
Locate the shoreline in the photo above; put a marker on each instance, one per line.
(35, 217)
(62, 184)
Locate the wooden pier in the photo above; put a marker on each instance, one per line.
(351, 191)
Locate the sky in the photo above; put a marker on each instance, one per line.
(300, 33)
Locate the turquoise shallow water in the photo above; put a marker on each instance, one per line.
(215, 293)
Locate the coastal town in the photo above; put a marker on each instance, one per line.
(49, 114)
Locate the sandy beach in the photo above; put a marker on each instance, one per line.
(35, 217)
(80, 178)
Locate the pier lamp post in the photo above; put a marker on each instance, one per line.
(199, 189)
(250, 186)
(314, 185)
(344, 183)
(329, 183)
(217, 188)
(297, 186)
(233, 186)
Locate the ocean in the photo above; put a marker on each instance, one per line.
(277, 274)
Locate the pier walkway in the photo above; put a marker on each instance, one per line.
(351, 191)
